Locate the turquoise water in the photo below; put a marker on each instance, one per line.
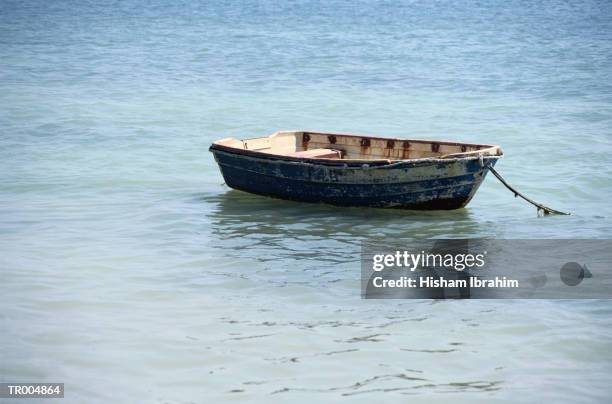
(132, 274)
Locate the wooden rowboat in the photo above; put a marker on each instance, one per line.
(356, 170)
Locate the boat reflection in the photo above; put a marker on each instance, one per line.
(268, 228)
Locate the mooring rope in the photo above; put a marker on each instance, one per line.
(541, 208)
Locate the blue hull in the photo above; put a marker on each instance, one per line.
(430, 184)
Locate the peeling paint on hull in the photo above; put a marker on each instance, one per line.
(426, 184)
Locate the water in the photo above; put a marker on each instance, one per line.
(130, 273)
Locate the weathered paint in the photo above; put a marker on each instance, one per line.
(429, 183)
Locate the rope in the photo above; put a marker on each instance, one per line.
(541, 208)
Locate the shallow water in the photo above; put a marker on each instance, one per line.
(132, 274)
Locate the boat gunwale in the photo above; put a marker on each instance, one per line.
(483, 150)
(354, 163)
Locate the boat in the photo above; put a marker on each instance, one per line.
(356, 170)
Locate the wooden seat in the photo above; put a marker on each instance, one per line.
(317, 154)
